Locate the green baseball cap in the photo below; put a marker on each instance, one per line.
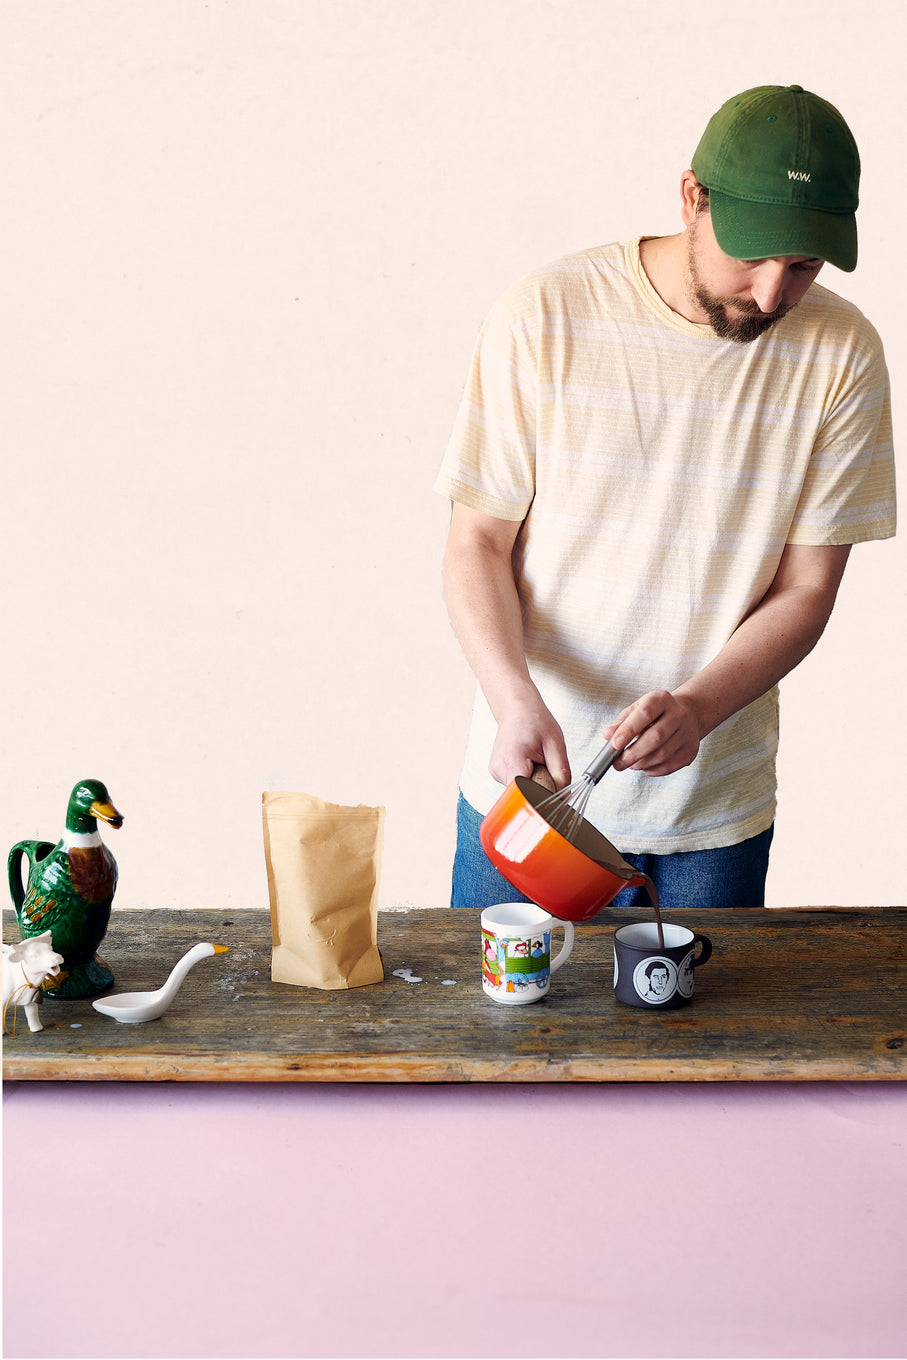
(783, 173)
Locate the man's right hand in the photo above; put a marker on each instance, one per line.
(526, 738)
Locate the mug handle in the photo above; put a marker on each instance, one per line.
(567, 946)
(706, 952)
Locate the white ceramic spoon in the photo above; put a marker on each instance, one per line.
(131, 1008)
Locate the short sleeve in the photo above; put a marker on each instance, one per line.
(489, 464)
(848, 493)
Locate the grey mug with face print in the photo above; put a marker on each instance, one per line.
(645, 974)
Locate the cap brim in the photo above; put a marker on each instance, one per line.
(759, 231)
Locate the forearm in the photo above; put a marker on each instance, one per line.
(484, 610)
(667, 727)
(771, 642)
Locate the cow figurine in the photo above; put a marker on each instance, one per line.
(25, 966)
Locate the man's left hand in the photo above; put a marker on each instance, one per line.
(665, 732)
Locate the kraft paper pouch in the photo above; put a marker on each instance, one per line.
(324, 865)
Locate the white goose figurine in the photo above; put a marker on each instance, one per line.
(132, 1008)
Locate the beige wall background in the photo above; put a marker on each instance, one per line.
(248, 246)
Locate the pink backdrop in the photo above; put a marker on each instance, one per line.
(525, 1221)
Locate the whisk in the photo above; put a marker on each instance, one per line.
(563, 811)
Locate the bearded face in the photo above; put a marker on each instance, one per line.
(732, 317)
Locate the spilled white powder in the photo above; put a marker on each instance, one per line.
(406, 974)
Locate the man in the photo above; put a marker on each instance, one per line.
(662, 458)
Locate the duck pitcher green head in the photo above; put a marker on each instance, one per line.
(783, 174)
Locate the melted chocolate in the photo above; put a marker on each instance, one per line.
(653, 898)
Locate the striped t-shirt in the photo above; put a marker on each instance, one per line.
(658, 472)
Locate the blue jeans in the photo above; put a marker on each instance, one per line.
(732, 876)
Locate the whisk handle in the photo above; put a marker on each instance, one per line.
(601, 764)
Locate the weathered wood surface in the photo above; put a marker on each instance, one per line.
(788, 996)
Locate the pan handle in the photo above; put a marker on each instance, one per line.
(541, 776)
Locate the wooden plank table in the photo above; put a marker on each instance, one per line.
(798, 995)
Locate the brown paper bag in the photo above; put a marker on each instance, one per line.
(324, 865)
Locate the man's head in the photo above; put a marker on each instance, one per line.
(783, 174)
(771, 195)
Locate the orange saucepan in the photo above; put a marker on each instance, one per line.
(570, 879)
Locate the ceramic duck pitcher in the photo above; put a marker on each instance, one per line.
(69, 891)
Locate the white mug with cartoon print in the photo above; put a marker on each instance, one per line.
(516, 952)
(645, 974)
